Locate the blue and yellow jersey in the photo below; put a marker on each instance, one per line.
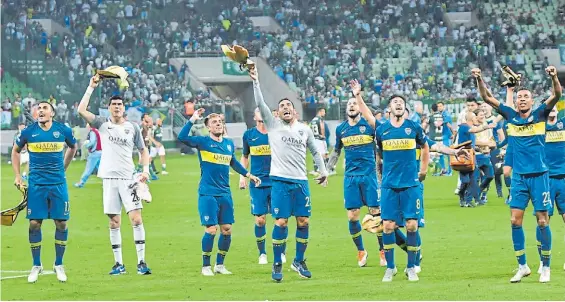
(526, 137)
(398, 147)
(256, 148)
(46, 152)
(359, 144)
(555, 148)
(215, 160)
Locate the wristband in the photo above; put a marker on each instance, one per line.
(89, 91)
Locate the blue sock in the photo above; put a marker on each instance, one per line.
(35, 243)
(261, 235)
(388, 244)
(545, 238)
(538, 239)
(224, 243)
(419, 252)
(519, 241)
(60, 245)
(279, 240)
(355, 231)
(302, 234)
(400, 239)
(207, 245)
(412, 246)
(284, 243)
(380, 241)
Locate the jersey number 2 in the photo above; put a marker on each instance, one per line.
(307, 202)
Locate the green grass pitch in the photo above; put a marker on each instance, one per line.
(467, 253)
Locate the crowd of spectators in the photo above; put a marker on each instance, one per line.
(322, 45)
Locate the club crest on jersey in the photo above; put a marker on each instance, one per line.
(362, 129)
(126, 131)
(206, 218)
(560, 125)
(301, 132)
(530, 119)
(407, 131)
(56, 134)
(276, 210)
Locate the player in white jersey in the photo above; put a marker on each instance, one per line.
(290, 194)
(119, 137)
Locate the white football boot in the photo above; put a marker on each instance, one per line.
(545, 275)
(60, 271)
(389, 273)
(263, 259)
(221, 269)
(207, 271)
(34, 274)
(523, 271)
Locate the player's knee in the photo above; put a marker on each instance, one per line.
(225, 229)
(35, 224)
(374, 210)
(115, 221)
(506, 171)
(61, 225)
(353, 214)
(260, 220)
(543, 218)
(388, 226)
(302, 221)
(282, 222)
(211, 229)
(412, 225)
(516, 220)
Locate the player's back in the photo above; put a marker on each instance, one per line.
(46, 147)
(215, 158)
(358, 143)
(526, 137)
(555, 148)
(118, 143)
(398, 147)
(256, 145)
(316, 126)
(288, 150)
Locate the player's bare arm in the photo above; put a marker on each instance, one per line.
(88, 116)
(323, 178)
(69, 155)
(18, 181)
(242, 179)
(483, 90)
(481, 128)
(268, 118)
(556, 90)
(238, 167)
(379, 163)
(363, 108)
(334, 156)
(424, 162)
(509, 98)
(448, 151)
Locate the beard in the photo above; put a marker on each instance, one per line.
(353, 116)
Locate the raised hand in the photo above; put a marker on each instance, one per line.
(355, 87)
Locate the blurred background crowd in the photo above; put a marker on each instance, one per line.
(393, 47)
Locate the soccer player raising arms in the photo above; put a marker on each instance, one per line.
(530, 179)
(290, 193)
(119, 137)
(256, 150)
(356, 136)
(215, 205)
(400, 189)
(48, 197)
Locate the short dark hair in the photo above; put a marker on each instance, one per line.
(434, 107)
(46, 102)
(285, 99)
(394, 96)
(440, 102)
(472, 100)
(116, 97)
(321, 108)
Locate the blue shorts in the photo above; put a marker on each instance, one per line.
(421, 221)
(402, 204)
(360, 190)
(290, 199)
(214, 210)
(530, 186)
(557, 188)
(260, 200)
(48, 202)
(485, 165)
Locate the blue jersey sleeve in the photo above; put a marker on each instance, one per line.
(235, 164)
(542, 112)
(420, 135)
(246, 149)
(21, 139)
(506, 111)
(70, 139)
(190, 140)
